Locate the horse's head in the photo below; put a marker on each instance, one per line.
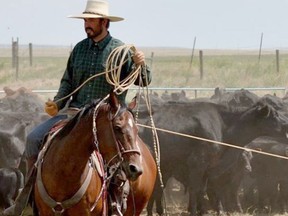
(117, 133)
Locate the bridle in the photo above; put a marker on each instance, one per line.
(110, 168)
(119, 146)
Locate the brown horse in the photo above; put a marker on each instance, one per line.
(67, 185)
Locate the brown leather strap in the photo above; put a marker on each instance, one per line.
(68, 202)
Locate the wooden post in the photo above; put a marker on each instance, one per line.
(17, 59)
(14, 52)
(260, 49)
(17, 67)
(30, 54)
(277, 61)
(201, 64)
(13, 62)
(151, 62)
(192, 55)
(15, 56)
(71, 49)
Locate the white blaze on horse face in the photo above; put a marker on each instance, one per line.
(130, 123)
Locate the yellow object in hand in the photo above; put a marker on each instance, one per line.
(51, 108)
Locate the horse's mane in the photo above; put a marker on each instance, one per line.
(86, 110)
(75, 119)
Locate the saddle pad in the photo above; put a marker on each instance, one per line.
(58, 125)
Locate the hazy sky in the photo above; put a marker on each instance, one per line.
(216, 24)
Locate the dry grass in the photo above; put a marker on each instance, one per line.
(171, 68)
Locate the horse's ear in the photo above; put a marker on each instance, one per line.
(113, 100)
(133, 103)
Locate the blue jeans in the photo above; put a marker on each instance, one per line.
(35, 137)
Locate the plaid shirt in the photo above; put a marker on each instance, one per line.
(87, 59)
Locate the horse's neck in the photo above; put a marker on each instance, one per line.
(72, 150)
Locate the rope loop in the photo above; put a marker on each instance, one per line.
(115, 61)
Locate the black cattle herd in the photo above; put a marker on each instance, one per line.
(216, 178)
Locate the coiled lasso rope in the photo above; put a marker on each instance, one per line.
(117, 57)
(114, 67)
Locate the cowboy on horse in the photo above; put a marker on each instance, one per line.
(83, 81)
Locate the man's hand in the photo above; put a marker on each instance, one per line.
(51, 108)
(139, 58)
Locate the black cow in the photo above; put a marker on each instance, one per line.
(277, 102)
(21, 100)
(175, 96)
(224, 182)
(238, 98)
(11, 183)
(189, 160)
(256, 121)
(196, 118)
(270, 174)
(13, 130)
(186, 158)
(20, 111)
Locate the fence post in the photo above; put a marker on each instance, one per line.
(15, 56)
(14, 52)
(277, 61)
(192, 55)
(260, 49)
(201, 63)
(30, 53)
(71, 49)
(151, 61)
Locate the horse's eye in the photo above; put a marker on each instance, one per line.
(118, 129)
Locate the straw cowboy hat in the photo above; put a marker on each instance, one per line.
(97, 9)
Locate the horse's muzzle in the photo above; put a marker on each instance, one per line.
(134, 172)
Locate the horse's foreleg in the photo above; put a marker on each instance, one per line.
(156, 198)
(149, 207)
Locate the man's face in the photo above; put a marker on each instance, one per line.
(93, 27)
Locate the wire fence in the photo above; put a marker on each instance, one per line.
(191, 92)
